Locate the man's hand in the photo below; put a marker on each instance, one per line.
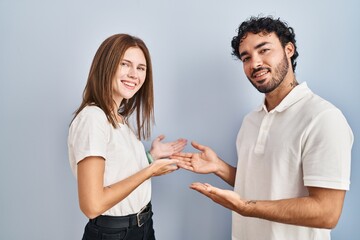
(205, 161)
(226, 198)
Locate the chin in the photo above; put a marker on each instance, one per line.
(127, 97)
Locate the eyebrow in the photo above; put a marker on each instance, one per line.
(256, 47)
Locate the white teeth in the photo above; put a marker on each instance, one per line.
(259, 75)
(129, 84)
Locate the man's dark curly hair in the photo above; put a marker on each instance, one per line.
(268, 24)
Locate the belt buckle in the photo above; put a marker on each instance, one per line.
(139, 223)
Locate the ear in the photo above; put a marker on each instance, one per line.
(289, 49)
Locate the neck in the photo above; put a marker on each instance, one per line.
(119, 117)
(275, 97)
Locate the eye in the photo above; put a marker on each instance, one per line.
(245, 59)
(143, 69)
(124, 64)
(264, 50)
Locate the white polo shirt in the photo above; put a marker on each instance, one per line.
(91, 134)
(304, 141)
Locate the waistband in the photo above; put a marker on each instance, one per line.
(137, 219)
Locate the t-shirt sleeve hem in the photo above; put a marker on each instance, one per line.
(328, 184)
(80, 156)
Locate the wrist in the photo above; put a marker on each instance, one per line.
(153, 154)
(247, 208)
(219, 167)
(149, 157)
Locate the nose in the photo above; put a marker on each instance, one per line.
(256, 61)
(132, 73)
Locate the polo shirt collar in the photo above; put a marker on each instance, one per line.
(299, 92)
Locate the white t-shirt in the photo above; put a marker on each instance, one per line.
(91, 134)
(304, 141)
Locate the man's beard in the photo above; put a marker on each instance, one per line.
(279, 76)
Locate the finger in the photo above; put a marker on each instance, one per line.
(171, 168)
(179, 142)
(163, 162)
(198, 186)
(172, 162)
(181, 159)
(183, 141)
(176, 144)
(198, 146)
(201, 188)
(167, 172)
(179, 147)
(182, 155)
(205, 189)
(210, 189)
(160, 137)
(185, 166)
(163, 173)
(186, 161)
(165, 165)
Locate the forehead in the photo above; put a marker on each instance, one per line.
(251, 40)
(135, 54)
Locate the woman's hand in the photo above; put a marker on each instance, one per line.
(164, 150)
(163, 166)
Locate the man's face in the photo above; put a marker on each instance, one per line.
(264, 61)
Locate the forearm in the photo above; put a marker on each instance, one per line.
(98, 202)
(226, 172)
(116, 192)
(306, 211)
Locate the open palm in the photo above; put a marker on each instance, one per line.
(203, 162)
(160, 149)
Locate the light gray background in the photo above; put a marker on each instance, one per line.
(46, 48)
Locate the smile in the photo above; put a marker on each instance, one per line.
(129, 84)
(260, 73)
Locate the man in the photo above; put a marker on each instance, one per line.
(294, 151)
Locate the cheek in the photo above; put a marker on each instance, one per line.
(247, 69)
(142, 77)
(142, 81)
(119, 75)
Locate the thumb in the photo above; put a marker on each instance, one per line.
(160, 137)
(198, 146)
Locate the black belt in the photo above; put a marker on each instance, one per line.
(124, 221)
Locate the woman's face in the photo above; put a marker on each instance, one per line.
(130, 75)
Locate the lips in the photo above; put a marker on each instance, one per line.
(129, 84)
(257, 73)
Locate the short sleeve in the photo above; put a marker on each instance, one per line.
(88, 135)
(326, 155)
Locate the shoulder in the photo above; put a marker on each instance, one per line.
(315, 106)
(92, 112)
(323, 117)
(90, 116)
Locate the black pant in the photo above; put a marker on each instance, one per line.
(145, 232)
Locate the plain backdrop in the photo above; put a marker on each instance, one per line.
(201, 93)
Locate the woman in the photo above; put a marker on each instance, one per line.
(112, 168)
